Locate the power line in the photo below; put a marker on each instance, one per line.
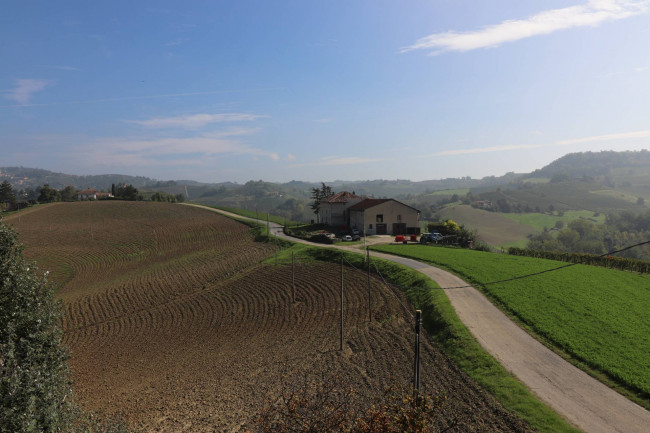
(533, 274)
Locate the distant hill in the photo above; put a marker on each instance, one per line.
(601, 182)
(25, 177)
(592, 164)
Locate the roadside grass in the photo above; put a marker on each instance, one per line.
(446, 329)
(596, 317)
(260, 216)
(539, 221)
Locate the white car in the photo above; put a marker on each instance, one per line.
(347, 238)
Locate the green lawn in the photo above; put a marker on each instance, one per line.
(597, 315)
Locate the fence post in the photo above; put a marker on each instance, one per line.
(293, 276)
(416, 369)
(341, 336)
(369, 299)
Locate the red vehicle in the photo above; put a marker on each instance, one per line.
(400, 238)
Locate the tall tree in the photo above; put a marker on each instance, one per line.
(7, 193)
(127, 192)
(48, 194)
(69, 193)
(317, 194)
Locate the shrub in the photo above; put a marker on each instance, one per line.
(35, 389)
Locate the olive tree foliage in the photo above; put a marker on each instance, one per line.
(35, 390)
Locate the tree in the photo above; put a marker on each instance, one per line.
(127, 192)
(35, 390)
(48, 195)
(317, 194)
(7, 195)
(69, 193)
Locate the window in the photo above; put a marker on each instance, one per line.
(399, 217)
(370, 226)
(380, 218)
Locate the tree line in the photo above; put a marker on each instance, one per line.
(583, 236)
(10, 199)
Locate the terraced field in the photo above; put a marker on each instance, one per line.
(176, 323)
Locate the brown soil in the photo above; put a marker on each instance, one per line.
(175, 324)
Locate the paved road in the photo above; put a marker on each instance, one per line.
(581, 399)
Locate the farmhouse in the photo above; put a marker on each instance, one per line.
(93, 194)
(333, 210)
(384, 217)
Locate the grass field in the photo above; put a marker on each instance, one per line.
(541, 220)
(445, 192)
(493, 228)
(599, 316)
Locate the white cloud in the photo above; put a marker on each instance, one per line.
(591, 13)
(485, 149)
(606, 137)
(291, 157)
(25, 88)
(195, 120)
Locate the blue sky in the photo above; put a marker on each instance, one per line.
(320, 90)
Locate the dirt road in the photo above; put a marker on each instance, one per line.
(581, 399)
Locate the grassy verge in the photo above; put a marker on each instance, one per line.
(261, 216)
(594, 317)
(444, 326)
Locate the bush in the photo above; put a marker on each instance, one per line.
(35, 389)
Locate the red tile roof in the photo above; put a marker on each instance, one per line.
(368, 203)
(341, 197)
(372, 202)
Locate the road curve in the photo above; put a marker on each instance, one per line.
(579, 398)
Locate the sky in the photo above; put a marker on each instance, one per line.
(219, 91)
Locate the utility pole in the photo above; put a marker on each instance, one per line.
(416, 367)
(293, 276)
(369, 304)
(341, 338)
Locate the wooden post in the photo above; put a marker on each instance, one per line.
(268, 227)
(341, 338)
(416, 369)
(293, 276)
(369, 299)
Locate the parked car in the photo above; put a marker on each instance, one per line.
(346, 238)
(356, 237)
(428, 238)
(356, 232)
(321, 238)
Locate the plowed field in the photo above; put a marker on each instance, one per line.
(175, 323)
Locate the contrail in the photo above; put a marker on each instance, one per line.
(133, 98)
